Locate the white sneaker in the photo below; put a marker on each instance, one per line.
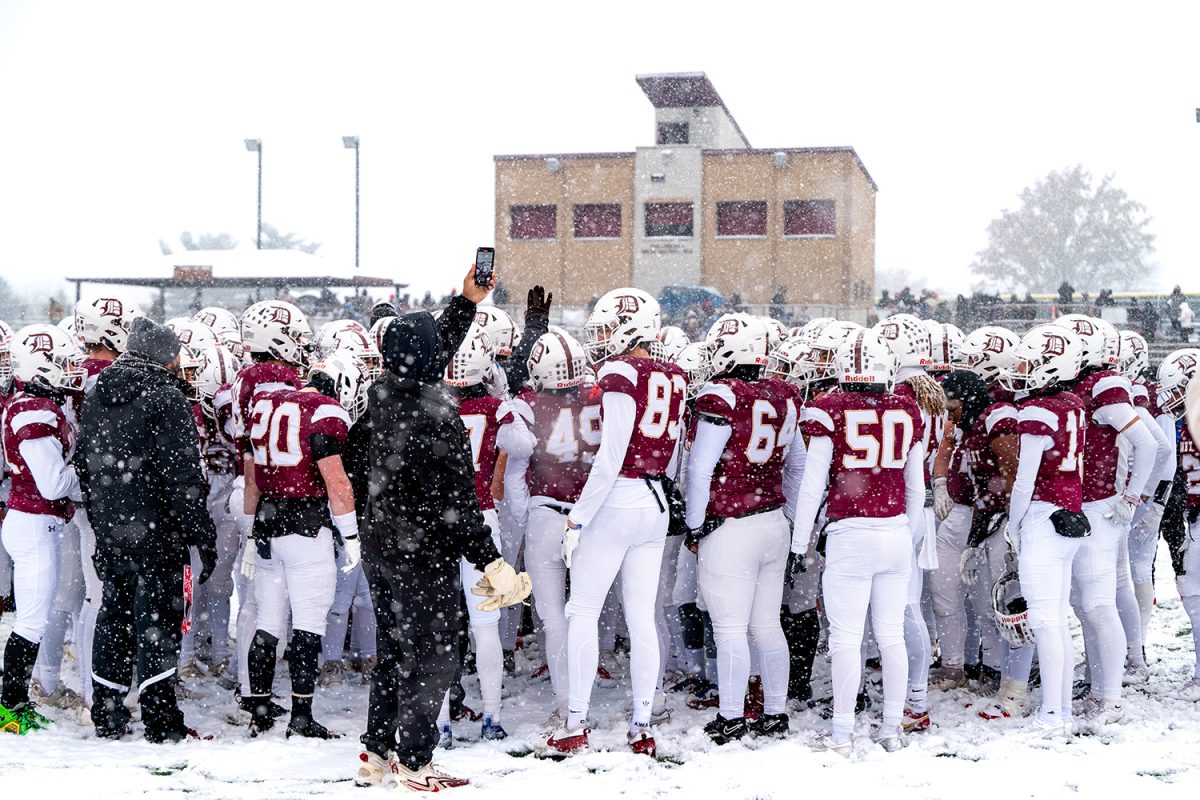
(61, 697)
(553, 722)
(825, 743)
(372, 769)
(332, 674)
(1101, 713)
(1191, 690)
(890, 740)
(426, 779)
(1135, 675)
(1039, 730)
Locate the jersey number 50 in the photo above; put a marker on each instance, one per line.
(888, 450)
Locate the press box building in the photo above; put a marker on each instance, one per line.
(699, 207)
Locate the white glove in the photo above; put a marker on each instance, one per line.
(1147, 526)
(501, 586)
(941, 499)
(970, 565)
(570, 541)
(1122, 512)
(249, 559)
(353, 554)
(1013, 537)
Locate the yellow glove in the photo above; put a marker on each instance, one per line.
(501, 586)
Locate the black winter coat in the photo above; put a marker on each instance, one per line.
(422, 506)
(138, 461)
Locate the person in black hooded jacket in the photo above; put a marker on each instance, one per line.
(138, 461)
(422, 517)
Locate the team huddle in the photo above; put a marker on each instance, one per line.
(923, 497)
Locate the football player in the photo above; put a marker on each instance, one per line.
(621, 519)
(38, 444)
(564, 419)
(866, 446)
(745, 428)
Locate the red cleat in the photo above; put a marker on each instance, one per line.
(565, 741)
(642, 743)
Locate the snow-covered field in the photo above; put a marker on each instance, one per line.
(1154, 753)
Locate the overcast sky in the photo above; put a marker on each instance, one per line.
(123, 122)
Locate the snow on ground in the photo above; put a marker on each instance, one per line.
(1154, 753)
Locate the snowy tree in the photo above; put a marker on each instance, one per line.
(272, 239)
(1066, 229)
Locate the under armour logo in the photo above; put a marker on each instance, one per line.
(993, 344)
(1083, 327)
(628, 304)
(110, 307)
(1054, 345)
(39, 343)
(889, 330)
(729, 327)
(281, 315)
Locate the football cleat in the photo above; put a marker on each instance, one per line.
(565, 741)
(641, 742)
(542, 673)
(192, 670)
(890, 740)
(661, 716)
(492, 732)
(332, 673)
(426, 779)
(724, 731)
(770, 726)
(261, 723)
(706, 697)
(1135, 675)
(465, 712)
(604, 678)
(62, 697)
(1039, 730)
(368, 669)
(948, 679)
(690, 684)
(309, 728)
(21, 719)
(555, 721)
(176, 735)
(268, 709)
(372, 769)
(1097, 713)
(446, 738)
(825, 743)
(915, 721)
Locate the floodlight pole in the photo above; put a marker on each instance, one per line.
(351, 143)
(255, 146)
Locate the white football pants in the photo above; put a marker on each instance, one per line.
(1094, 596)
(93, 593)
(629, 541)
(352, 591)
(68, 600)
(512, 537)
(219, 589)
(867, 567)
(33, 541)
(485, 630)
(946, 586)
(300, 577)
(742, 565)
(543, 561)
(667, 618)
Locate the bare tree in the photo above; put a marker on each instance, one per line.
(1066, 230)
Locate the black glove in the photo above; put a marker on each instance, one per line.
(795, 566)
(538, 304)
(208, 558)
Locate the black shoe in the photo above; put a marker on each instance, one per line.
(269, 709)
(724, 731)
(260, 723)
(174, 735)
(309, 728)
(800, 692)
(689, 684)
(773, 726)
(510, 664)
(972, 671)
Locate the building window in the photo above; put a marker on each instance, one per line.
(532, 222)
(742, 218)
(672, 133)
(597, 221)
(668, 219)
(809, 218)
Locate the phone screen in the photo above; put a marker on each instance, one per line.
(484, 265)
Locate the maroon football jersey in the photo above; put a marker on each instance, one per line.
(1145, 395)
(996, 420)
(567, 428)
(483, 417)
(658, 390)
(28, 417)
(1060, 416)
(282, 425)
(250, 381)
(872, 433)
(1189, 463)
(1099, 389)
(958, 479)
(762, 423)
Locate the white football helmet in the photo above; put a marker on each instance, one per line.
(352, 337)
(106, 320)
(782, 360)
(1174, 374)
(279, 330)
(737, 340)
(232, 341)
(557, 361)
(1047, 355)
(1135, 355)
(908, 338)
(378, 329)
(191, 334)
(671, 339)
(988, 351)
(693, 360)
(189, 370)
(817, 364)
(500, 328)
(777, 332)
(350, 379)
(1011, 611)
(67, 324)
(945, 346)
(622, 319)
(218, 320)
(1101, 342)
(472, 362)
(218, 367)
(814, 326)
(6, 335)
(44, 354)
(865, 359)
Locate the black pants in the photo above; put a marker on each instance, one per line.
(139, 622)
(417, 605)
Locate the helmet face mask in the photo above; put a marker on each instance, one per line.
(693, 360)
(1174, 374)
(1047, 356)
(349, 380)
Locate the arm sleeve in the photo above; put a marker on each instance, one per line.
(53, 476)
(702, 462)
(1028, 464)
(1166, 423)
(452, 327)
(793, 472)
(812, 486)
(516, 368)
(914, 488)
(175, 445)
(516, 489)
(1144, 458)
(1164, 452)
(619, 410)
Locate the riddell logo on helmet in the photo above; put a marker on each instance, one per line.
(859, 379)
(110, 307)
(40, 343)
(281, 315)
(994, 344)
(627, 304)
(1054, 345)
